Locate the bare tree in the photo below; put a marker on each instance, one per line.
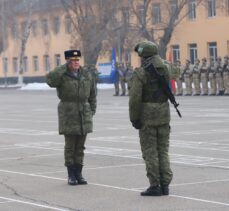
(91, 19)
(162, 29)
(25, 35)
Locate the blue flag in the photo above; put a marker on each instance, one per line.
(113, 66)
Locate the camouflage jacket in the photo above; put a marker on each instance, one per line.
(77, 96)
(142, 105)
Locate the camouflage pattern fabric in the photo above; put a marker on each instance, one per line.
(77, 96)
(204, 77)
(212, 78)
(149, 105)
(74, 149)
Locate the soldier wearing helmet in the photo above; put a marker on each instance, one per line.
(196, 77)
(226, 75)
(179, 89)
(149, 113)
(204, 76)
(187, 72)
(219, 76)
(211, 76)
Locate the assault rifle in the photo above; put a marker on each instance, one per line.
(164, 85)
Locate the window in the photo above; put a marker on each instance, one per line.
(193, 52)
(5, 65)
(15, 31)
(141, 14)
(211, 8)
(45, 26)
(176, 52)
(25, 64)
(174, 8)
(156, 13)
(212, 49)
(34, 28)
(68, 25)
(126, 16)
(15, 64)
(192, 9)
(57, 59)
(46, 63)
(56, 25)
(35, 63)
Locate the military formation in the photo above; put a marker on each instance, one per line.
(205, 77)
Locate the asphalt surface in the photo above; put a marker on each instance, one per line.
(33, 176)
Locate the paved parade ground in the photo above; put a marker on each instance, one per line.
(33, 176)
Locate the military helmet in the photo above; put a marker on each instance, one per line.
(204, 59)
(146, 49)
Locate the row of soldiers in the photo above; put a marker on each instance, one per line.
(203, 78)
(123, 75)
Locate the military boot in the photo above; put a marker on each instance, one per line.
(165, 189)
(152, 191)
(71, 176)
(78, 174)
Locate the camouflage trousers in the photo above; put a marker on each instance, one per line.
(226, 82)
(196, 83)
(74, 149)
(204, 82)
(155, 146)
(219, 83)
(179, 90)
(212, 81)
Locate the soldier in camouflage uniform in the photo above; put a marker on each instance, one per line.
(211, 76)
(219, 76)
(128, 74)
(120, 79)
(179, 90)
(226, 75)
(116, 81)
(187, 72)
(121, 72)
(150, 114)
(76, 91)
(196, 77)
(204, 76)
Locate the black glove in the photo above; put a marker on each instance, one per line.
(137, 124)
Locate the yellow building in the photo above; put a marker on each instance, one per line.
(202, 33)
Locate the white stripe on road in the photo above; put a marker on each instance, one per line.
(33, 204)
(107, 186)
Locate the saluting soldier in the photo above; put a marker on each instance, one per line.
(196, 77)
(226, 75)
(211, 75)
(204, 76)
(219, 76)
(76, 91)
(179, 81)
(187, 72)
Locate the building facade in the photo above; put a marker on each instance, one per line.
(203, 32)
